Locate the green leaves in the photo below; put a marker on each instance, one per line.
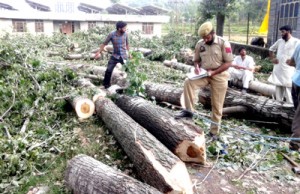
(135, 76)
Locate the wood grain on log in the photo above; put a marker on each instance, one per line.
(85, 175)
(178, 137)
(155, 164)
(83, 106)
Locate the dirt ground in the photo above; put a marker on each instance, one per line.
(225, 180)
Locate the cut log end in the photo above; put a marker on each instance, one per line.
(189, 151)
(85, 108)
(182, 183)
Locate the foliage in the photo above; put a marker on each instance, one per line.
(54, 135)
(136, 77)
(211, 8)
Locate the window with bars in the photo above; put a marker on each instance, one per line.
(289, 12)
(39, 26)
(19, 25)
(92, 24)
(147, 28)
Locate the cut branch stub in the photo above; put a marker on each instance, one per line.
(85, 175)
(177, 136)
(155, 164)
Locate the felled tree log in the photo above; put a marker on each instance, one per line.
(80, 56)
(186, 55)
(83, 106)
(85, 175)
(110, 49)
(259, 87)
(259, 106)
(178, 137)
(155, 164)
(97, 92)
(234, 110)
(118, 77)
(180, 66)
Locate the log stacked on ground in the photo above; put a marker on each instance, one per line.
(83, 106)
(155, 164)
(178, 137)
(85, 175)
(180, 66)
(259, 87)
(259, 106)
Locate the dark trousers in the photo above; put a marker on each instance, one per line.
(110, 67)
(296, 120)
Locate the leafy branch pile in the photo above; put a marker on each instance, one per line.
(36, 152)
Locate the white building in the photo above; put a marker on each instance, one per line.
(67, 16)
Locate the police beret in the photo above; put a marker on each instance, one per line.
(205, 29)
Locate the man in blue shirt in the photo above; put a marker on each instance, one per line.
(119, 40)
(295, 61)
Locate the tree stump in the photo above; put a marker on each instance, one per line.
(85, 175)
(155, 164)
(178, 137)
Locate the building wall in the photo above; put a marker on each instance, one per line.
(5, 26)
(278, 18)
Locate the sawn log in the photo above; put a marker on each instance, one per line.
(180, 138)
(83, 106)
(155, 164)
(265, 108)
(85, 175)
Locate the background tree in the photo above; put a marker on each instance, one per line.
(216, 8)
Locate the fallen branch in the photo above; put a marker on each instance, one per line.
(24, 127)
(253, 164)
(13, 103)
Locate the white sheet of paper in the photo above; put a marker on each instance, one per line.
(193, 76)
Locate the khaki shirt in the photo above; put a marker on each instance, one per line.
(214, 55)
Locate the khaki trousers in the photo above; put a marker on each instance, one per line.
(218, 84)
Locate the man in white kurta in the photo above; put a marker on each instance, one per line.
(282, 73)
(242, 68)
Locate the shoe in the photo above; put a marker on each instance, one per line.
(230, 83)
(184, 113)
(294, 146)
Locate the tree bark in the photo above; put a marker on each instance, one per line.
(85, 175)
(187, 141)
(257, 106)
(155, 164)
(180, 66)
(96, 91)
(90, 56)
(83, 106)
(220, 24)
(259, 87)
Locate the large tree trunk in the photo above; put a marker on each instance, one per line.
(220, 23)
(83, 106)
(259, 87)
(179, 66)
(72, 56)
(177, 136)
(96, 91)
(118, 77)
(258, 106)
(155, 164)
(85, 175)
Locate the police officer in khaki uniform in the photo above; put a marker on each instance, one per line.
(213, 54)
